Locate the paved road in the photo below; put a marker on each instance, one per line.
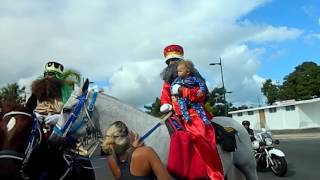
(302, 155)
(303, 160)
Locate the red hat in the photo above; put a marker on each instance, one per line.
(173, 51)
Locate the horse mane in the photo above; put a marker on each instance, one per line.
(7, 106)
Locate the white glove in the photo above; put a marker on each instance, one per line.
(165, 108)
(52, 119)
(175, 89)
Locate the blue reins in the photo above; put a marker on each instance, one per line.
(73, 116)
(150, 131)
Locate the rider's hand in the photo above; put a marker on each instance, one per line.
(200, 93)
(165, 108)
(175, 89)
(136, 142)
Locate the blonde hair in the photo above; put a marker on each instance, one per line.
(189, 66)
(117, 139)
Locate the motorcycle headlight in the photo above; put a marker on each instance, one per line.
(255, 144)
(268, 141)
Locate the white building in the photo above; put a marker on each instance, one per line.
(288, 114)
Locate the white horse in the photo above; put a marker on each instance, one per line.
(109, 109)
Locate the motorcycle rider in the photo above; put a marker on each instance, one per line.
(250, 131)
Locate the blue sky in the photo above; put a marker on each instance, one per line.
(119, 43)
(281, 58)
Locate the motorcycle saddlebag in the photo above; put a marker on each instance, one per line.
(225, 136)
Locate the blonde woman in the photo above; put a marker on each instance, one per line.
(128, 159)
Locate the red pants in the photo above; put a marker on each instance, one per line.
(204, 143)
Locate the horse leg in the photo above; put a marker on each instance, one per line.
(249, 171)
(226, 160)
(230, 171)
(245, 162)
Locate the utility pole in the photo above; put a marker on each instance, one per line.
(223, 88)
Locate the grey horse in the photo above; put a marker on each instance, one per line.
(109, 109)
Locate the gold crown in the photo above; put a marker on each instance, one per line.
(54, 67)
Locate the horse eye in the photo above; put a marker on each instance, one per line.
(67, 110)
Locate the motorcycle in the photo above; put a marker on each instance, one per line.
(267, 156)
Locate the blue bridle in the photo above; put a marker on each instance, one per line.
(67, 129)
(34, 141)
(90, 108)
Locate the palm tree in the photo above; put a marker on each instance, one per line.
(72, 77)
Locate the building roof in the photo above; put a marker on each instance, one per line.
(278, 104)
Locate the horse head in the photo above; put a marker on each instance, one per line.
(75, 122)
(19, 134)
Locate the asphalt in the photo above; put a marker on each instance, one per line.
(302, 159)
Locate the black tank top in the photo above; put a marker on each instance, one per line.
(125, 170)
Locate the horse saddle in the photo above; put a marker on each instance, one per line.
(225, 136)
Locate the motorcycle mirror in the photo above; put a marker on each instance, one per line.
(276, 141)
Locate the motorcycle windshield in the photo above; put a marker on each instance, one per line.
(265, 132)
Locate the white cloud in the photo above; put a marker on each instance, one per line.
(312, 37)
(274, 34)
(240, 76)
(137, 83)
(122, 42)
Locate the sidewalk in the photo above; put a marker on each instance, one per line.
(308, 133)
(297, 136)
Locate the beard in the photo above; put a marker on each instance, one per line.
(47, 89)
(169, 74)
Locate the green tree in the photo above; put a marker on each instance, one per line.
(233, 108)
(13, 92)
(72, 77)
(216, 104)
(154, 109)
(303, 83)
(271, 91)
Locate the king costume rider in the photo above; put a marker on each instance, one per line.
(203, 135)
(52, 92)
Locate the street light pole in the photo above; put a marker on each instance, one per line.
(223, 88)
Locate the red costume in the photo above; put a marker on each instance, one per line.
(203, 136)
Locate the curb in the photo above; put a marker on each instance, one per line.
(296, 131)
(297, 136)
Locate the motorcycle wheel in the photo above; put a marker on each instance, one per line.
(280, 166)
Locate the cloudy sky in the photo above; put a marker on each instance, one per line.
(119, 44)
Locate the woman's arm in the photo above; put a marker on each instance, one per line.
(157, 167)
(114, 167)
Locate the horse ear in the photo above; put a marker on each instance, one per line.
(32, 102)
(85, 85)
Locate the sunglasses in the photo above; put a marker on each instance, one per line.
(175, 59)
(56, 65)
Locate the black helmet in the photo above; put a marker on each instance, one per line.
(246, 123)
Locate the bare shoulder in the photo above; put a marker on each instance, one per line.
(145, 150)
